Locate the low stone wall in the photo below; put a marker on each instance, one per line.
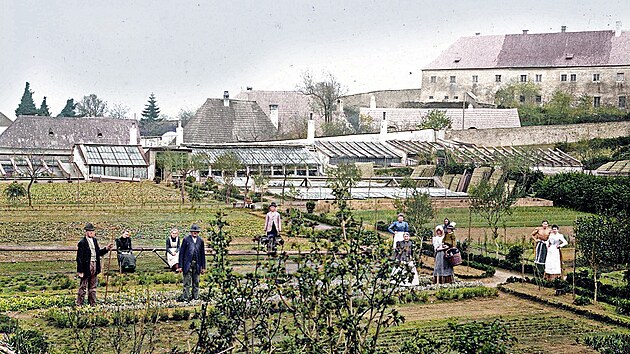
(536, 135)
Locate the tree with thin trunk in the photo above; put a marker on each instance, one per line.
(229, 164)
(182, 163)
(325, 93)
(35, 168)
(598, 239)
(119, 111)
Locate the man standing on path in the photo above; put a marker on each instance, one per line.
(192, 262)
(89, 264)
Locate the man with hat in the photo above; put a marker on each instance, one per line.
(192, 262)
(89, 264)
(273, 226)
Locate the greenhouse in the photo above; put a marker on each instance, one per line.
(112, 161)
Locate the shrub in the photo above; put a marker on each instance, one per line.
(515, 254)
(622, 306)
(581, 300)
(29, 341)
(481, 337)
(586, 192)
(465, 293)
(180, 315)
(617, 343)
(7, 324)
(310, 206)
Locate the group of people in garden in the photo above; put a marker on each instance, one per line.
(444, 245)
(547, 256)
(187, 256)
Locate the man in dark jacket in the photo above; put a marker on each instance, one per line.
(89, 264)
(192, 262)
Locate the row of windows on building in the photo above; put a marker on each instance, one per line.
(537, 78)
(597, 100)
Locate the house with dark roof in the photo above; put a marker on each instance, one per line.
(595, 63)
(227, 121)
(68, 147)
(5, 122)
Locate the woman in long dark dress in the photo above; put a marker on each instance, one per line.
(442, 270)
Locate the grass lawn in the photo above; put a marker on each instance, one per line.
(521, 216)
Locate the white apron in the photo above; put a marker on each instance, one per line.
(398, 236)
(172, 259)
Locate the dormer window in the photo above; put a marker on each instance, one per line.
(100, 135)
(568, 56)
(457, 60)
(51, 133)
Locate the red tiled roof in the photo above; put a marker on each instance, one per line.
(563, 49)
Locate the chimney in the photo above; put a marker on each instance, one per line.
(617, 28)
(563, 29)
(310, 130)
(226, 99)
(249, 88)
(372, 101)
(525, 31)
(133, 134)
(179, 138)
(273, 114)
(477, 33)
(383, 133)
(340, 106)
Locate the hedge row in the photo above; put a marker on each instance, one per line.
(586, 193)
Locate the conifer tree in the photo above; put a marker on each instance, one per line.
(68, 110)
(44, 110)
(151, 111)
(26, 106)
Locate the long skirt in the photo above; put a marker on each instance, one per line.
(553, 264)
(415, 281)
(442, 270)
(172, 259)
(541, 252)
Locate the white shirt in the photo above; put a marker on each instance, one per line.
(92, 249)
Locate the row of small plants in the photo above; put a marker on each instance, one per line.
(27, 282)
(20, 340)
(580, 300)
(445, 293)
(24, 303)
(615, 343)
(82, 317)
(584, 289)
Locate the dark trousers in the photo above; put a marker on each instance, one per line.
(191, 279)
(88, 282)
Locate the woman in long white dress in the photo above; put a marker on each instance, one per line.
(553, 263)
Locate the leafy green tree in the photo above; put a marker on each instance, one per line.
(436, 120)
(14, 192)
(195, 193)
(597, 241)
(325, 93)
(68, 109)
(418, 209)
(228, 163)
(181, 163)
(91, 106)
(492, 202)
(341, 180)
(151, 111)
(44, 110)
(558, 108)
(517, 94)
(27, 105)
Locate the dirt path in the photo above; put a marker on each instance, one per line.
(500, 276)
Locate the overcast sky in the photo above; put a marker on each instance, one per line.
(187, 51)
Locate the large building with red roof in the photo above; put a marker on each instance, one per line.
(594, 63)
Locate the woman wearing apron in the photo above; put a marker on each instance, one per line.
(172, 249)
(553, 264)
(398, 228)
(540, 236)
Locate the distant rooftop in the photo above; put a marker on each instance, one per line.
(4, 120)
(560, 49)
(36, 132)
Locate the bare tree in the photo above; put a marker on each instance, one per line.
(325, 93)
(119, 111)
(182, 163)
(34, 168)
(91, 106)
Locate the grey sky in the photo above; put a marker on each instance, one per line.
(187, 51)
